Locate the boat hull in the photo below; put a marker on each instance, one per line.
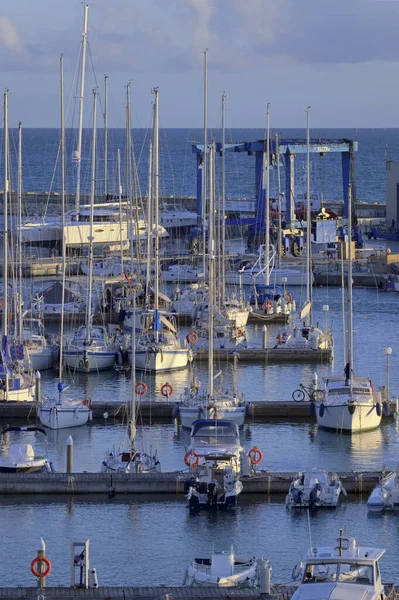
(60, 417)
(93, 361)
(43, 358)
(165, 360)
(25, 394)
(364, 418)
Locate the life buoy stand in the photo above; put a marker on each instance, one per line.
(192, 337)
(140, 388)
(191, 458)
(35, 561)
(166, 390)
(255, 455)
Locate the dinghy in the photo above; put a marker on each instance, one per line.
(222, 569)
(21, 458)
(314, 489)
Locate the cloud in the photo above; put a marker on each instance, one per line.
(9, 37)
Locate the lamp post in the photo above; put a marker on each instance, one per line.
(326, 308)
(388, 352)
(284, 281)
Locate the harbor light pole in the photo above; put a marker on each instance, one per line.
(388, 352)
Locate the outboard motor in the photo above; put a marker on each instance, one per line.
(314, 495)
(297, 496)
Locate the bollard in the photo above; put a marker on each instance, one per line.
(265, 572)
(315, 381)
(38, 391)
(69, 457)
(93, 579)
(41, 553)
(264, 337)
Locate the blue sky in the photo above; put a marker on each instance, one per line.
(340, 57)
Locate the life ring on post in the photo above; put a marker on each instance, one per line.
(191, 458)
(140, 388)
(255, 455)
(37, 560)
(240, 332)
(166, 390)
(192, 337)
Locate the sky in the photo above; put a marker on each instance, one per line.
(341, 58)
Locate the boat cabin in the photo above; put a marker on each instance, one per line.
(211, 438)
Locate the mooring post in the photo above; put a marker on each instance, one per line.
(69, 457)
(38, 391)
(41, 553)
(264, 342)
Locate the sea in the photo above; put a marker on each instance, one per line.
(138, 540)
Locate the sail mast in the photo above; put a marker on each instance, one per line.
(156, 209)
(19, 296)
(63, 250)
(149, 225)
(278, 201)
(78, 153)
(91, 238)
(211, 267)
(5, 228)
(223, 216)
(118, 160)
(350, 292)
(106, 137)
(204, 161)
(308, 220)
(267, 209)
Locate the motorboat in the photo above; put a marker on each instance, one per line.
(305, 337)
(158, 347)
(225, 337)
(176, 217)
(89, 349)
(21, 458)
(61, 413)
(195, 403)
(223, 569)
(348, 405)
(345, 570)
(181, 273)
(385, 496)
(216, 459)
(314, 489)
(41, 353)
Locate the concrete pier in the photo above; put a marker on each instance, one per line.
(161, 411)
(260, 355)
(266, 483)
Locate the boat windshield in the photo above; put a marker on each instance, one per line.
(215, 436)
(350, 572)
(343, 391)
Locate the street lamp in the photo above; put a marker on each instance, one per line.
(388, 352)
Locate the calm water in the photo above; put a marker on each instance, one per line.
(149, 541)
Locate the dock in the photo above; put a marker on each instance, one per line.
(267, 355)
(161, 411)
(265, 483)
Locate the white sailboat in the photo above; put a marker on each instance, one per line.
(158, 347)
(128, 458)
(62, 413)
(15, 385)
(219, 405)
(40, 352)
(89, 348)
(350, 403)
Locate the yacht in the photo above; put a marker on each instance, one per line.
(345, 570)
(176, 217)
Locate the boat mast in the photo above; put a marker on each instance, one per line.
(118, 160)
(149, 226)
(5, 236)
(19, 296)
(91, 238)
(156, 209)
(132, 420)
(78, 153)
(129, 193)
(211, 267)
(62, 115)
(350, 292)
(267, 208)
(204, 161)
(223, 216)
(278, 201)
(106, 137)
(308, 220)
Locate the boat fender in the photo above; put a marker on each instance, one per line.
(321, 409)
(40, 559)
(297, 570)
(249, 410)
(351, 408)
(176, 411)
(378, 409)
(119, 358)
(312, 409)
(386, 408)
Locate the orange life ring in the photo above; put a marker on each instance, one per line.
(87, 403)
(140, 388)
(37, 560)
(240, 332)
(192, 337)
(268, 304)
(191, 458)
(255, 455)
(166, 390)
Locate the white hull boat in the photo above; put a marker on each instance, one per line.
(21, 458)
(314, 489)
(342, 571)
(130, 462)
(160, 358)
(64, 414)
(386, 495)
(294, 277)
(348, 408)
(234, 414)
(95, 354)
(181, 274)
(223, 570)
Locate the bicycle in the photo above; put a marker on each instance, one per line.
(313, 395)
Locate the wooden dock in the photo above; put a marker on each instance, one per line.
(265, 483)
(161, 411)
(267, 355)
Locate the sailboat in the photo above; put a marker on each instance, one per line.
(157, 347)
(129, 459)
(89, 348)
(350, 403)
(14, 384)
(210, 404)
(61, 413)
